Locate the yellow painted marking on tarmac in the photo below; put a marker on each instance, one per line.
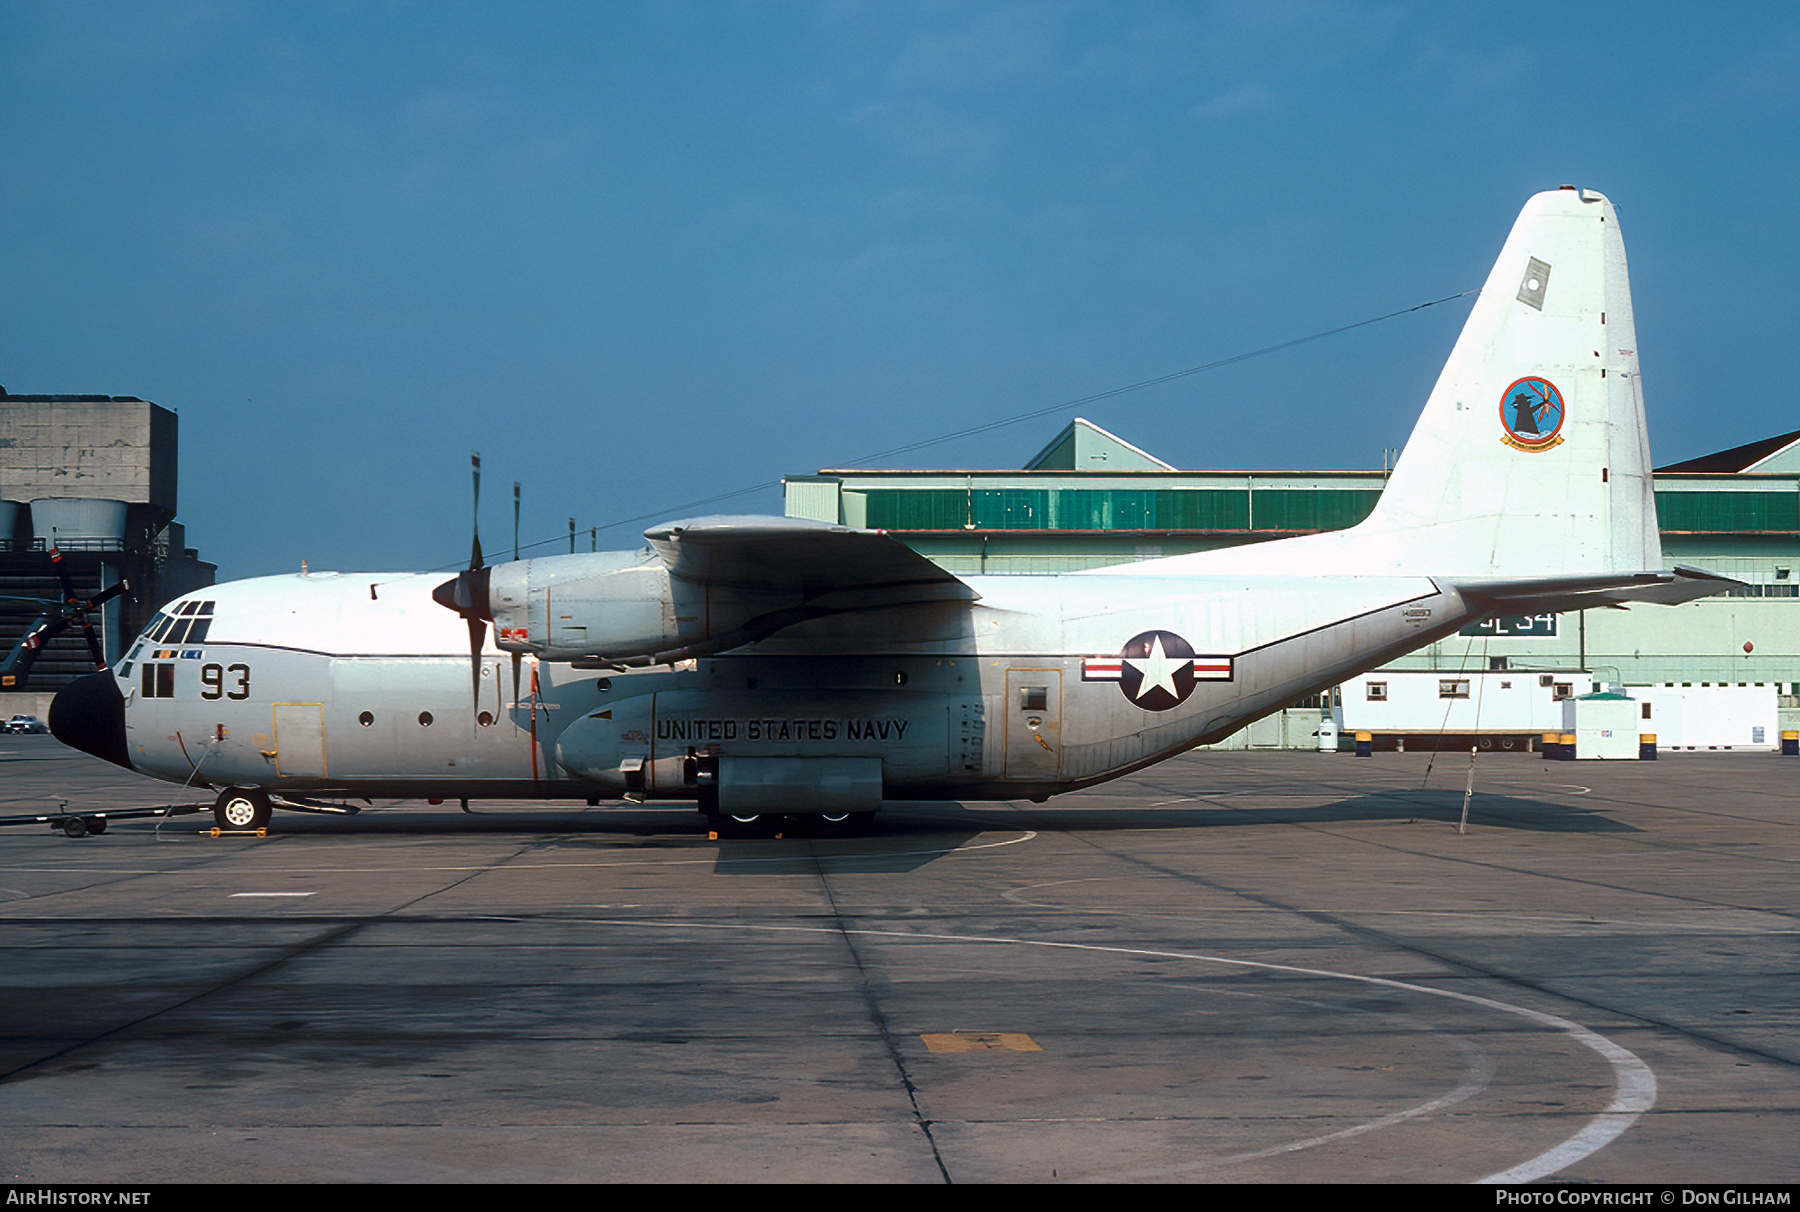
(980, 1041)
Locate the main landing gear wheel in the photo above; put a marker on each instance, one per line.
(238, 809)
(749, 824)
(838, 824)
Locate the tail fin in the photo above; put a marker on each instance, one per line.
(1531, 457)
(1530, 460)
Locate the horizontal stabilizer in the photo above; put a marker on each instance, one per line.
(1542, 595)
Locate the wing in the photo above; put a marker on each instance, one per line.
(826, 568)
(758, 576)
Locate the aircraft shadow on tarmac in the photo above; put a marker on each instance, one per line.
(1427, 806)
(897, 843)
(909, 836)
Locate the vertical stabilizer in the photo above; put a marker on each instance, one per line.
(1530, 459)
(1531, 456)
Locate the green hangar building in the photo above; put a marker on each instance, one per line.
(1090, 499)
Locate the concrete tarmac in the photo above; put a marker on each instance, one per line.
(1234, 967)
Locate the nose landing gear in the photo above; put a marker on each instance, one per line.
(240, 808)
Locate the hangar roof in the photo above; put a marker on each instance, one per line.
(1084, 446)
(1777, 454)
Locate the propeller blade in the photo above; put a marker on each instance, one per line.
(475, 546)
(477, 633)
(16, 667)
(107, 595)
(62, 576)
(467, 594)
(44, 630)
(93, 643)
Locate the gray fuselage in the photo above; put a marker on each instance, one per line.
(355, 684)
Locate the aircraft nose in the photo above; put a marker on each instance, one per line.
(89, 714)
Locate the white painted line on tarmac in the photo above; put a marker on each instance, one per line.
(1634, 1084)
(1478, 1074)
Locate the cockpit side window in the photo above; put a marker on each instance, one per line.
(151, 628)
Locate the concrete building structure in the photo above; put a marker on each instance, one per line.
(94, 477)
(1090, 499)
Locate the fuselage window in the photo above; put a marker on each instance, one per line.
(425, 718)
(366, 718)
(157, 681)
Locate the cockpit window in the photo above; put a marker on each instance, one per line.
(187, 631)
(182, 623)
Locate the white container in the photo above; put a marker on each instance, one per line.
(1605, 726)
(1328, 735)
(1715, 715)
(1498, 703)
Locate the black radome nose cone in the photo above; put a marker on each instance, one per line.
(89, 714)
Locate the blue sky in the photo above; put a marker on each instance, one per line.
(639, 254)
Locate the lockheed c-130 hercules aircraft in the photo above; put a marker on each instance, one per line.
(774, 667)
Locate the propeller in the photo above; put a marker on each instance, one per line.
(467, 593)
(515, 656)
(71, 611)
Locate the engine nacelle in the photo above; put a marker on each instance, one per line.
(607, 604)
(621, 606)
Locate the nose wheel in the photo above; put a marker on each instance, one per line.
(242, 808)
